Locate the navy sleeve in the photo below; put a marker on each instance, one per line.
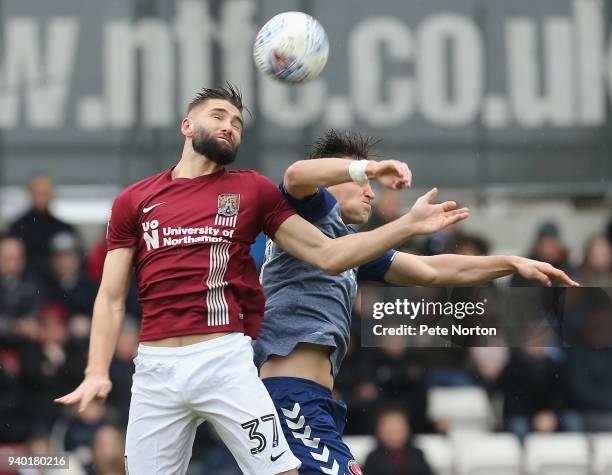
(312, 208)
(375, 270)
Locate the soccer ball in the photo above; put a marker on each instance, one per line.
(292, 47)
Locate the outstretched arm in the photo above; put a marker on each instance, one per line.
(108, 314)
(303, 241)
(304, 177)
(457, 270)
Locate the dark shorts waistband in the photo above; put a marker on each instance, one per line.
(296, 384)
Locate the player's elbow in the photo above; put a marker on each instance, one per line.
(332, 269)
(331, 265)
(110, 299)
(293, 177)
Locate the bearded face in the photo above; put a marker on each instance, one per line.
(216, 149)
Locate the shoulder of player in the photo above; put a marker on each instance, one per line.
(141, 189)
(145, 182)
(251, 177)
(252, 174)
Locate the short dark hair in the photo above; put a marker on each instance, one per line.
(392, 406)
(229, 93)
(343, 144)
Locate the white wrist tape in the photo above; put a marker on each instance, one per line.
(357, 171)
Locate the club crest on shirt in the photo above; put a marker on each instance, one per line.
(228, 205)
(354, 468)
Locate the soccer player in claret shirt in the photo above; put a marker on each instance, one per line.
(187, 232)
(305, 333)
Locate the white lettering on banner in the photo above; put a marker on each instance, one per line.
(463, 103)
(44, 75)
(124, 40)
(558, 70)
(292, 108)
(370, 42)
(589, 27)
(553, 104)
(194, 30)
(237, 33)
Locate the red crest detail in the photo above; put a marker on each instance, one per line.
(354, 468)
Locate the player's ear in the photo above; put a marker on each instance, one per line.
(187, 127)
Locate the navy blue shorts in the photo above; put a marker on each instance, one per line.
(313, 423)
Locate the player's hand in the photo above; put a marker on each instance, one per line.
(542, 271)
(92, 387)
(390, 173)
(427, 218)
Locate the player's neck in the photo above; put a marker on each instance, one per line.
(192, 165)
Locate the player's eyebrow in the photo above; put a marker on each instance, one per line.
(225, 111)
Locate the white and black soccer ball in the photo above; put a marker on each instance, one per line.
(292, 47)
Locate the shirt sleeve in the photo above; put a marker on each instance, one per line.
(312, 208)
(121, 229)
(275, 208)
(375, 270)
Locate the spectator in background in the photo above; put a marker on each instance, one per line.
(78, 429)
(448, 241)
(20, 296)
(355, 387)
(590, 363)
(596, 269)
(95, 263)
(38, 226)
(387, 207)
(67, 283)
(95, 259)
(49, 366)
(210, 455)
(122, 369)
(14, 423)
(107, 452)
(548, 247)
(488, 362)
(533, 384)
(471, 245)
(395, 453)
(398, 373)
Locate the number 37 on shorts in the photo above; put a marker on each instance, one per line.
(259, 438)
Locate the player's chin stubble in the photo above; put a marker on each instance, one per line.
(205, 144)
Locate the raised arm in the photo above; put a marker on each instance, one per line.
(304, 241)
(304, 177)
(108, 314)
(454, 270)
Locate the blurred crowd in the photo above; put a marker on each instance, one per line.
(48, 283)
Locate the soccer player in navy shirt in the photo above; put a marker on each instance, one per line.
(305, 333)
(187, 232)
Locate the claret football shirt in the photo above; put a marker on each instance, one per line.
(192, 239)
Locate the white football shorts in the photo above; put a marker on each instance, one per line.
(176, 389)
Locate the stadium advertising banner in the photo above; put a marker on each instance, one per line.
(506, 93)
